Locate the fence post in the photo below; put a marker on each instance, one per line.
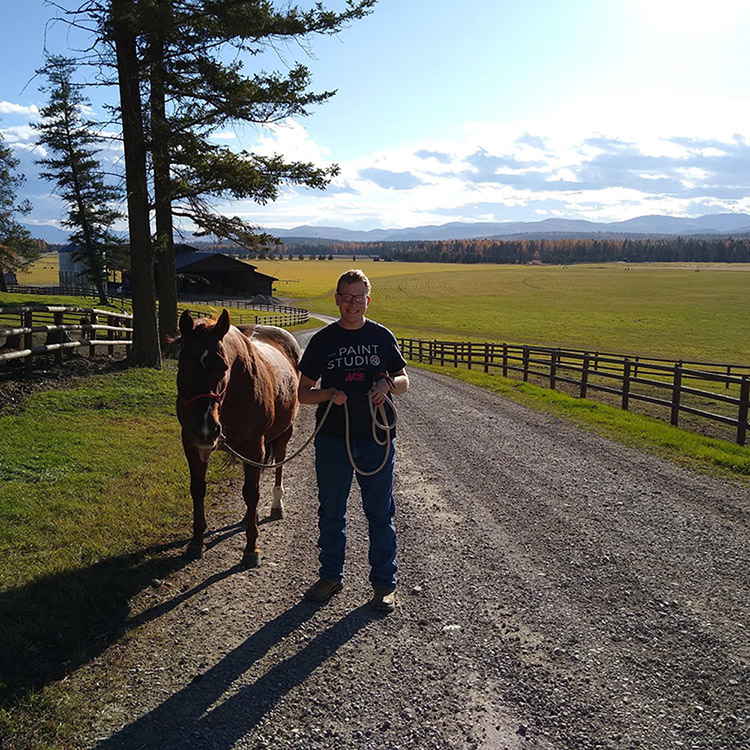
(585, 375)
(742, 416)
(60, 337)
(442, 353)
(94, 321)
(676, 392)
(110, 333)
(626, 384)
(505, 360)
(729, 374)
(486, 357)
(525, 364)
(470, 347)
(553, 369)
(28, 341)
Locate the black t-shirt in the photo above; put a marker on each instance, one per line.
(349, 360)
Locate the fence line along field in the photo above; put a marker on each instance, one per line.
(676, 311)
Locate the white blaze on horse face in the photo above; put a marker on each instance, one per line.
(207, 430)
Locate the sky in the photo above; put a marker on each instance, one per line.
(483, 110)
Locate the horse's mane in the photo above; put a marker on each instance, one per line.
(238, 340)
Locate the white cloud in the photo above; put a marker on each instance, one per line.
(290, 139)
(602, 170)
(19, 136)
(8, 108)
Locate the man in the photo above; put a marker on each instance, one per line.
(355, 360)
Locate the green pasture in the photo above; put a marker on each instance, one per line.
(45, 271)
(691, 312)
(94, 490)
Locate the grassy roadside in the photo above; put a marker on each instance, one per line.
(93, 493)
(707, 455)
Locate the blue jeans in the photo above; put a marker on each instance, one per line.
(334, 482)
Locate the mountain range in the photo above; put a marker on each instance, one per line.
(710, 224)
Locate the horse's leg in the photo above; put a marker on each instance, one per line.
(251, 495)
(198, 493)
(279, 454)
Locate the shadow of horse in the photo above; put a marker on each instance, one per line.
(51, 626)
(184, 719)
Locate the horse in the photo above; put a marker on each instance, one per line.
(240, 385)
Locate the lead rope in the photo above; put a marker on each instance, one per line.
(376, 423)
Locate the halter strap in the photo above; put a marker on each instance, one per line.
(218, 397)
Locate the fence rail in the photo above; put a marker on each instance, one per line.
(688, 387)
(60, 328)
(284, 317)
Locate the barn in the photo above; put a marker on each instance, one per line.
(215, 273)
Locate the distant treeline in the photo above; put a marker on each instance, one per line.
(555, 251)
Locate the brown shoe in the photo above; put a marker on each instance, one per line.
(383, 600)
(322, 590)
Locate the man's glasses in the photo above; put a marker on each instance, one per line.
(358, 298)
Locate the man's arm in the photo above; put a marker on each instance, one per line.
(309, 393)
(397, 382)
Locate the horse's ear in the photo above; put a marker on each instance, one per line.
(222, 325)
(186, 323)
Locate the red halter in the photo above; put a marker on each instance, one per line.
(218, 397)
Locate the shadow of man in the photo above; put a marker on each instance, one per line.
(184, 720)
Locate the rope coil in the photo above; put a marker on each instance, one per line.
(379, 421)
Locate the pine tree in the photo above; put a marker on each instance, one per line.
(17, 248)
(77, 172)
(176, 90)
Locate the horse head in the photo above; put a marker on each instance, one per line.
(202, 375)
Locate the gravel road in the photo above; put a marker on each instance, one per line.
(557, 591)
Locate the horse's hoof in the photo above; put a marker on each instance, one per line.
(277, 514)
(251, 559)
(194, 553)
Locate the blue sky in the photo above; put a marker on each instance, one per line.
(484, 110)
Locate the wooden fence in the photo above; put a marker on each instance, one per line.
(60, 327)
(669, 385)
(285, 316)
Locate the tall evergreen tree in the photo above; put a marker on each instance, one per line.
(17, 248)
(193, 92)
(77, 172)
(175, 90)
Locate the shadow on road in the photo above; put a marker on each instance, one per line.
(185, 720)
(51, 626)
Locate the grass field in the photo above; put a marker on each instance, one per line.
(692, 312)
(45, 271)
(680, 311)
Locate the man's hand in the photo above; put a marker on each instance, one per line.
(378, 392)
(339, 397)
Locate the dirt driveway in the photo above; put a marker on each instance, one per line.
(557, 591)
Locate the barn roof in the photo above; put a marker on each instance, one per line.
(205, 261)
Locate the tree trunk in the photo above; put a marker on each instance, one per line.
(145, 351)
(166, 280)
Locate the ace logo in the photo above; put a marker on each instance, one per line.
(354, 376)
